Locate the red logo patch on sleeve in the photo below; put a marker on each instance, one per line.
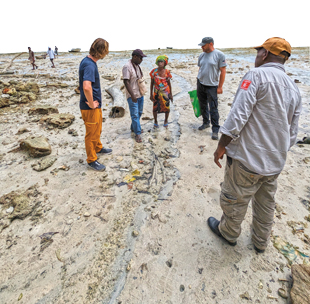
(245, 84)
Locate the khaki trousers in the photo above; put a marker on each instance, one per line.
(239, 187)
(93, 124)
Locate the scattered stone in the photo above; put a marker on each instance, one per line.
(109, 77)
(73, 132)
(135, 233)
(10, 210)
(86, 214)
(46, 240)
(4, 102)
(282, 293)
(28, 87)
(44, 163)
(169, 263)
(300, 292)
(43, 109)
(245, 296)
(81, 161)
(59, 121)
(57, 85)
(306, 160)
(296, 81)
(22, 131)
(69, 221)
(23, 203)
(182, 288)
(36, 146)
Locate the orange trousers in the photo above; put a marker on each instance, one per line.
(93, 124)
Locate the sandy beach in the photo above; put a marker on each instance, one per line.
(136, 233)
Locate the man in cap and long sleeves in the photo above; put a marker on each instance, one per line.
(210, 80)
(260, 128)
(131, 75)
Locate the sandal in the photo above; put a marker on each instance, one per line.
(156, 125)
(166, 125)
(138, 139)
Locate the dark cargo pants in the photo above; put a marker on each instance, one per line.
(207, 96)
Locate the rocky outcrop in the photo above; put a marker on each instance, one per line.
(18, 92)
(45, 110)
(36, 146)
(17, 205)
(44, 163)
(300, 293)
(59, 121)
(4, 102)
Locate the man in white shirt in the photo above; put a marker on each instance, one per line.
(260, 128)
(51, 54)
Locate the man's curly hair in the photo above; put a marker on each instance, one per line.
(99, 49)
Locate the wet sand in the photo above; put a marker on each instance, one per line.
(149, 243)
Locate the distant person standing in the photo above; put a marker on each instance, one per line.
(90, 102)
(210, 80)
(51, 54)
(32, 58)
(131, 75)
(56, 51)
(260, 128)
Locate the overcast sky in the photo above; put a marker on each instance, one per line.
(128, 25)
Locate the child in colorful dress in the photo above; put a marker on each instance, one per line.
(161, 92)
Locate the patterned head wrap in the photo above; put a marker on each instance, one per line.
(162, 58)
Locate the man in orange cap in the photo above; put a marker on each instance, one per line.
(260, 128)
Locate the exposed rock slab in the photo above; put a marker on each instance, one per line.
(43, 109)
(44, 163)
(300, 293)
(20, 204)
(36, 146)
(4, 102)
(59, 121)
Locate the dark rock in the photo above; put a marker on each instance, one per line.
(59, 121)
(4, 102)
(23, 203)
(22, 131)
(44, 163)
(36, 146)
(43, 109)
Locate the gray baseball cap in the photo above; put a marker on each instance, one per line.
(206, 40)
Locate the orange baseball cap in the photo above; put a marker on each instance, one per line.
(276, 45)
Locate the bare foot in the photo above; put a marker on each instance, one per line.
(138, 139)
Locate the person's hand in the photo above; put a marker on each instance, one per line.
(170, 97)
(134, 99)
(218, 154)
(95, 104)
(219, 90)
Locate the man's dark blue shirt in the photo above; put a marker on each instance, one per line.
(89, 71)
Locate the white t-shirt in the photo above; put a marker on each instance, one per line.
(51, 54)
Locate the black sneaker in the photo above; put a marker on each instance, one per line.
(204, 126)
(259, 250)
(213, 223)
(97, 166)
(215, 136)
(105, 151)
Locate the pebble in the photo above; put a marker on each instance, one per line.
(69, 222)
(135, 233)
(10, 210)
(86, 214)
(78, 217)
